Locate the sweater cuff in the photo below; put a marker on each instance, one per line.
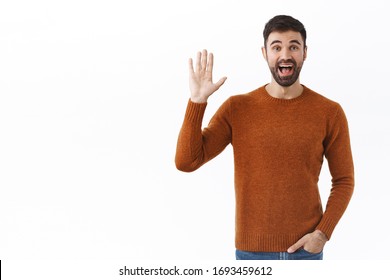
(195, 111)
(326, 226)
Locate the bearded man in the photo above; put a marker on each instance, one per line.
(280, 134)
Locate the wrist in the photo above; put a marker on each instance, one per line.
(198, 99)
(321, 235)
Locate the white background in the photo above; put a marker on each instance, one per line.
(92, 97)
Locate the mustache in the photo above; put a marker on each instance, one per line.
(292, 61)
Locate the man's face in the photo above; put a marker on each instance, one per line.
(285, 53)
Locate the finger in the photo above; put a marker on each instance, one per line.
(190, 66)
(204, 60)
(220, 82)
(198, 57)
(210, 63)
(296, 246)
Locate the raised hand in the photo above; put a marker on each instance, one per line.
(201, 80)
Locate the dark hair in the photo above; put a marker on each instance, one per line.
(283, 23)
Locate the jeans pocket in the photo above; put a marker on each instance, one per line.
(311, 253)
(306, 255)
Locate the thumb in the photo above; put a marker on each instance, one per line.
(220, 82)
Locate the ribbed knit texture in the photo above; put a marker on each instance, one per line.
(279, 147)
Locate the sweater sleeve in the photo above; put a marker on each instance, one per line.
(196, 146)
(339, 156)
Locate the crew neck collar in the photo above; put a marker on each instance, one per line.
(270, 98)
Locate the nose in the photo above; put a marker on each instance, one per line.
(285, 54)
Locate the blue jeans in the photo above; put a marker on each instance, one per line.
(300, 254)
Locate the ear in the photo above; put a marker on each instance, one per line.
(264, 51)
(305, 53)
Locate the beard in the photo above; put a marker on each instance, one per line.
(286, 80)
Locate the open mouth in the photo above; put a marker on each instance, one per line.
(286, 69)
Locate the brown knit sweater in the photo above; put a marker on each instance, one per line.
(279, 146)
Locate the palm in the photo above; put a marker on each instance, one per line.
(201, 80)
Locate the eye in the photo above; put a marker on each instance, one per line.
(277, 48)
(294, 48)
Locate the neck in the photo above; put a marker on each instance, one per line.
(277, 91)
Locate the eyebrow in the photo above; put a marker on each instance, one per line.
(278, 41)
(295, 41)
(275, 42)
